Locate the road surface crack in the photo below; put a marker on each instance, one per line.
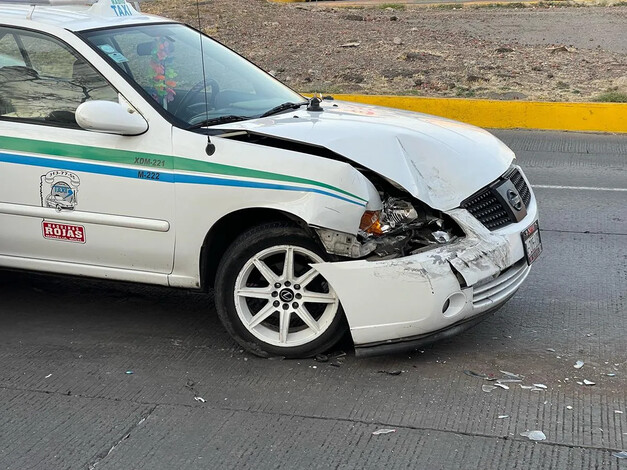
(103, 455)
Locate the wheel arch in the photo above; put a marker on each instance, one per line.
(226, 229)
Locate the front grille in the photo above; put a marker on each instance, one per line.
(490, 210)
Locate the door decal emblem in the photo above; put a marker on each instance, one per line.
(59, 189)
(65, 232)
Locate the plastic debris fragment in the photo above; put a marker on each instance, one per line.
(48, 376)
(503, 386)
(511, 375)
(618, 412)
(474, 374)
(550, 349)
(611, 374)
(391, 372)
(488, 388)
(508, 381)
(588, 382)
(200, 399)
(578, 365)
(129, 372)
(620, 455)
(569, 407)
(540, 386)
(534, 435)
(526, 387)
(383, 431)
(503, 416)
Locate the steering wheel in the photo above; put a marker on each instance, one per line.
(194, 92)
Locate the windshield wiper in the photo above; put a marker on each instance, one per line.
(217, 120)
(283, 107)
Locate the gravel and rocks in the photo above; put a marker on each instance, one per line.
(533, 53)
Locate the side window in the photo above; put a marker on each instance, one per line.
(42, 80)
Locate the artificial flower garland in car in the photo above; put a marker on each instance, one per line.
(163, 73)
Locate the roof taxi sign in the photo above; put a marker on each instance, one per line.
(119, 8)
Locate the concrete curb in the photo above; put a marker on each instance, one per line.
(597, 117)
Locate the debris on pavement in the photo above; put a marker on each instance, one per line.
(503, 386)
(200, 399)
(611, 374)
(488, 388)
(351, 44)
(588, 382)
(527, 387)
(618, 412)
(534, 435)
(569, 407)
(578, 364)
(383, 431)
(502, 416)
(129, 372)
(474, 374)
(511, 375)
(322, 358)
(48, 376)
(550, 349)
(540, 386)
(390, 372)
(620, 455)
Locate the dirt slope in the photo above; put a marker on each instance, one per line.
(554, 54)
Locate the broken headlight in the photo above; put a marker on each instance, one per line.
(404, 227)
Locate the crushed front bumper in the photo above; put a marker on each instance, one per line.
(404, 303)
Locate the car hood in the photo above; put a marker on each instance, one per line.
(437, 160)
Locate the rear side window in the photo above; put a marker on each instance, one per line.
(44, 81)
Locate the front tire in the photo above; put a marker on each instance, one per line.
(269, 298)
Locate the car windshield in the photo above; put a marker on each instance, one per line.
(165, 60)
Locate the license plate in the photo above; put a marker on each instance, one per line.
(532, 242)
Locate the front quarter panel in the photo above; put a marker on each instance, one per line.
(319, 191)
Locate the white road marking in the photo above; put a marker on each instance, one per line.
(582, 188)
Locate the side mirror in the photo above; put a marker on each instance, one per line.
(110, 117)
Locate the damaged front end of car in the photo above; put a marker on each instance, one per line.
(402, 226)
(418, 274)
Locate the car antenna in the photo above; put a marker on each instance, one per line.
(211, 148)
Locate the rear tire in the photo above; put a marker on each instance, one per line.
(270, 300)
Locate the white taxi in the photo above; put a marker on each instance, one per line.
(134, 148)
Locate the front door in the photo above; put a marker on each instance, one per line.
(71, 197)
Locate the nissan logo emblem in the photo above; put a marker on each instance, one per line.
(514, 199)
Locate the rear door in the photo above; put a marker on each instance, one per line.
(70, 196)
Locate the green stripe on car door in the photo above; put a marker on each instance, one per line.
(131, 157)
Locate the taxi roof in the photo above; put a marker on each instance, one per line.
(79, 16)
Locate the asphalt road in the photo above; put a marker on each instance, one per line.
(67, 401)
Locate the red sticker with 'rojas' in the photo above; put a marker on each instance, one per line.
(69, 233)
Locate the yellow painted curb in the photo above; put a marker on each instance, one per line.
(599, 117)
